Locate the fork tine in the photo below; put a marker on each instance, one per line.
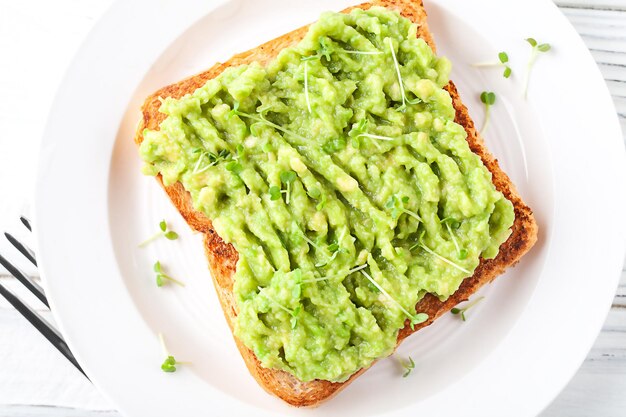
(31, 285)
(26, 223)
(41, 325)
(24, 250)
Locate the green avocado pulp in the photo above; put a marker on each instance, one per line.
(339, 175)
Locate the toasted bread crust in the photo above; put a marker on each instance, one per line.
(223, 257)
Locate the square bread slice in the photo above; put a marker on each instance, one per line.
(223, 257)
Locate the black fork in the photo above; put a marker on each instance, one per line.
(45, 328)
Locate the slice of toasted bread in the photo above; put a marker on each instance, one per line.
(223, 257)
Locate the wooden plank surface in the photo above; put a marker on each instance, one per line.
(36, 381)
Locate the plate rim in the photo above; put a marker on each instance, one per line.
(44, 171)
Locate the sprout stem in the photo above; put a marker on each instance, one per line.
(531, 62)
(397, 65)
(487, 116)
(368, 135)
(382, 290)
(306, 87)
(446, 260)
(151, 239)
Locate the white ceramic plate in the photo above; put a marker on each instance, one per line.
(562, 148)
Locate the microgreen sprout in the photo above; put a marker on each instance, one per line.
(288, 177)
(488, 98)
(461, 311)
(234, 167)
(317, 195)
(169, 364)
(351, 271)
(413, 318)
(212, 159)
(368, 135)
(162, 278)
(293, 313)
(361, 131)
(334, 250)
(396, 64)
(297, 288)
(421, 244)
(408, 366)
(260, 119)
(347, 51)
(310, 242)
(503, 57)
(454, 224)
(536, 49)
(306, 85)
(320, 205)
(163, 232)
(396, 207)
(356, 132)
(326, 50)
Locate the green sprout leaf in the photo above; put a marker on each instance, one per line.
(288, 176)
(488, 98)
(274, 193)
(319, 206)
(536, 49)
(171, 235)
(170, 362)
(544, 47)
(462, 310)
(294, 316)
(503, 57)
(334, 145)
(408, 367)
(163, 232)
(234, 167)
(333, 250)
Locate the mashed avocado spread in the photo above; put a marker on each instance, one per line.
(339, 175)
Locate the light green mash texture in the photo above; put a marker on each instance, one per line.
(332, 184)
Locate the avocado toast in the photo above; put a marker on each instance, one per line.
(414, 227)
